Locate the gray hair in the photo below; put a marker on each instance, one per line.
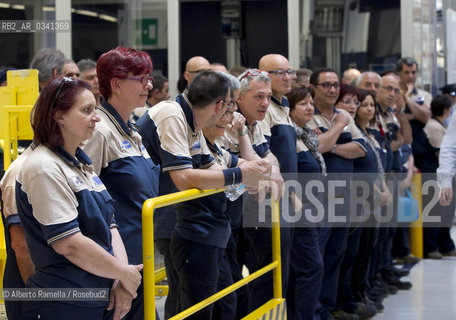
(86, 64)
(235, 85)
(46, 60)
(356, 82)
(246, 77)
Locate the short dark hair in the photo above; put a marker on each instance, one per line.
(207, 87)
(316, 74)
(158, 83)
(408, 61)
(346, 89)
(58, 95)
(181, 83)
(439, 104)
(117, 63)
(362, 95)
(298, 93)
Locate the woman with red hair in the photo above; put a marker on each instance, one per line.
(118, 155)
(66, 211)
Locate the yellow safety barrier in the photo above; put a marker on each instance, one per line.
(275, 307)
(416, 227)
(160, 275)
(16, 102)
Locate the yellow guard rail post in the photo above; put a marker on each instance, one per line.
(276, 306)
(416, 227)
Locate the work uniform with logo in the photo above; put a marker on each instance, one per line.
(57, 196)
(196, 231)
(124, 166)
(333, 240)
(12, 277)
(238, 244)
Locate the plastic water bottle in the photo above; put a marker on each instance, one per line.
(235, 191)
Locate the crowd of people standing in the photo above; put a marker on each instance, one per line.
(108, 137)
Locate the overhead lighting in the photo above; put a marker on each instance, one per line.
(87, 13)
(18, 7)
(4, 5)
(107, 18)
(48, 9)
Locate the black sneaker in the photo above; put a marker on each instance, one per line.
(376, 294)
(379, 289)
(365, 311)
(401, 285)
(410, 258)
(342, 315)
(379, 306)
(382, 284)
(400, 272)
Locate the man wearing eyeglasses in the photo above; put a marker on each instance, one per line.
(418, 102)
(340, 143)
(194, 66)
(193, 235)
(280, 133)
(253, 102)
(396, 132)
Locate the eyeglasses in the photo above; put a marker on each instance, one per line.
(328, 85)
(390, 89)
(281, 73)
(231, 104)
(349, 101)
(64, 80)
(250, 72)
(144, 79)
(197, 71)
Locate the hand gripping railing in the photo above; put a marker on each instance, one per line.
(148, 254)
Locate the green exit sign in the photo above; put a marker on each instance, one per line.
(147, 31)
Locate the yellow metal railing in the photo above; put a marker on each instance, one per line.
(16, 102)
(15, 126)
(416, 227)
(148, 256)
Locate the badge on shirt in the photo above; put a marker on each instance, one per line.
(97, 181)
(196, 145)
(76, 183)
(124, 145)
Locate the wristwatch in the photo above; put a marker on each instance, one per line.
(243, 132)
